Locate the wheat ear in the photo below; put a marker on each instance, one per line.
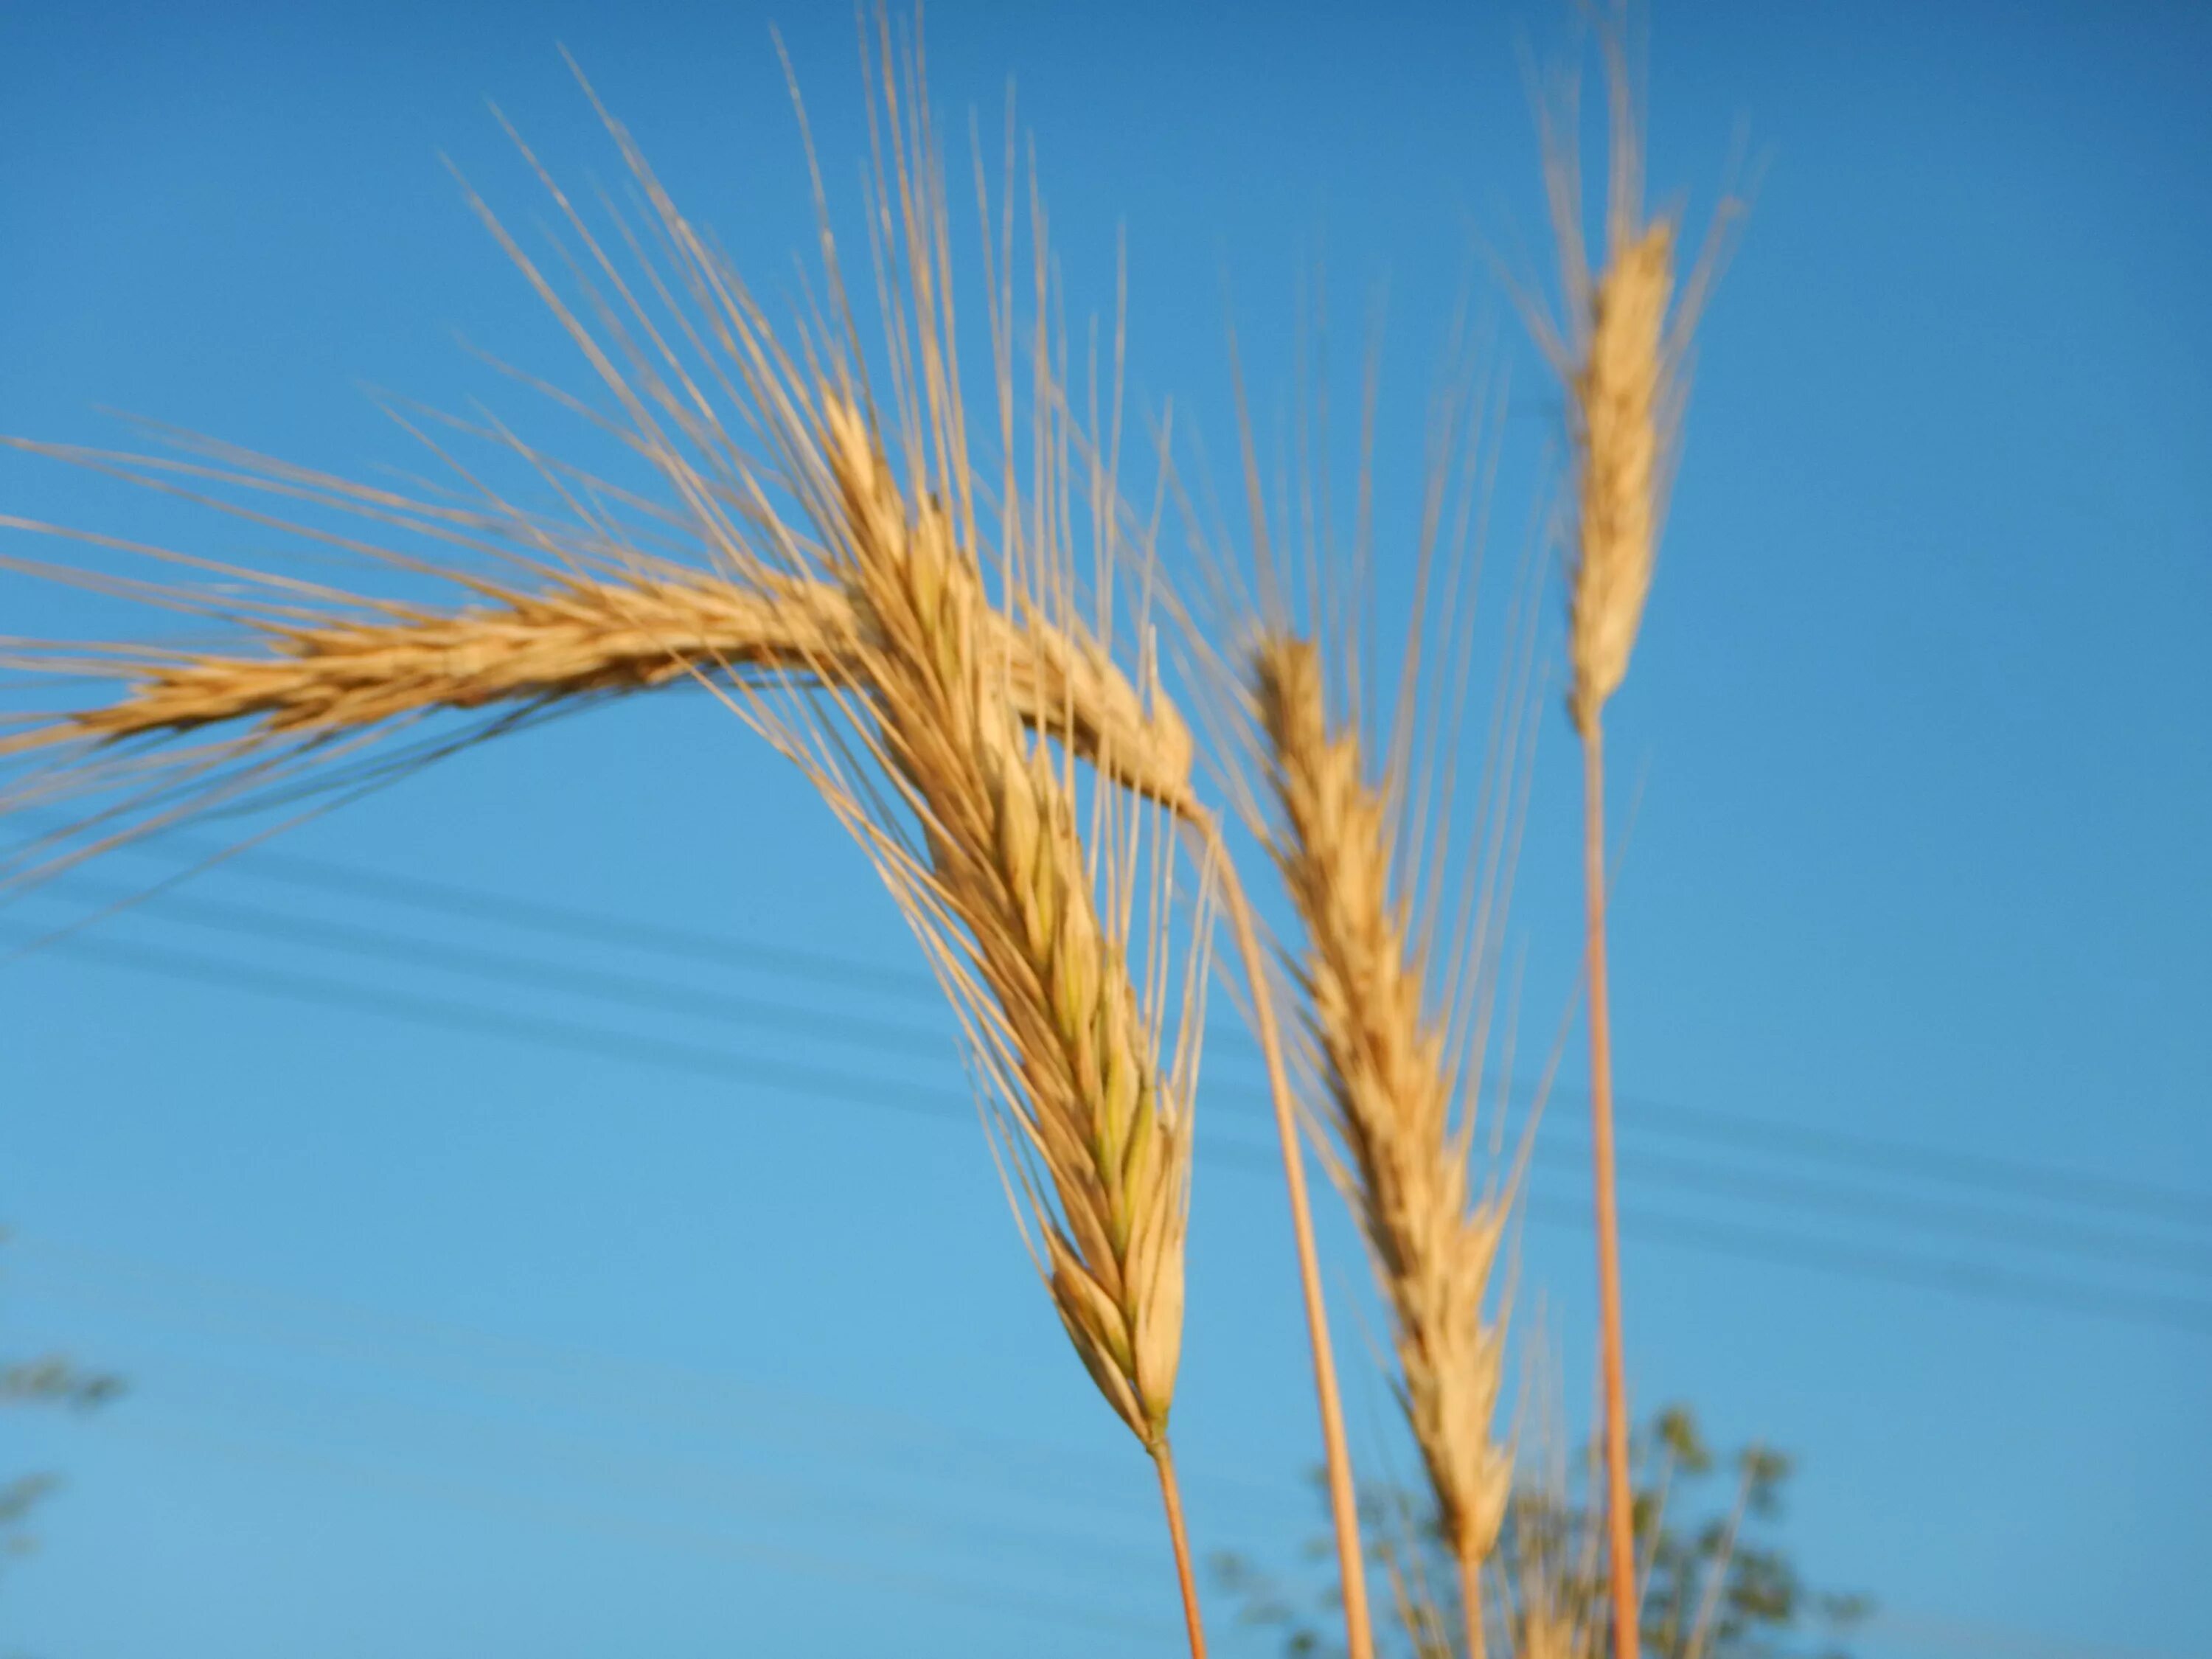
(1001, 891)
(1616, 396)
(564, 612)
(1623, 360)
(1617, 400)
(580, 638)
(1391, 1099)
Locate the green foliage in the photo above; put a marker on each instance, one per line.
(49, 1380)
(1716, 1583)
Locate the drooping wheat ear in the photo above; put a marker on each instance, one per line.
(1617, 401)
(1005, 859)
(317, 687)
(579, 639)
(1392, 1099)
(1001, 889)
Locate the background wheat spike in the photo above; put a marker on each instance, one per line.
(1396, 856)
(1393, 1102)
(1618, 396)
(1623, 359)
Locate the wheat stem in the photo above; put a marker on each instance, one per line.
(1620, 1514)
(1470, 1600)
(1343, 1501)
(1172, 1499)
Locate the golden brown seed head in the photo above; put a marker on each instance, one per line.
(1004, 858)
(585, 637)
(1618, 396)
(1390, 1094)
(580, 638)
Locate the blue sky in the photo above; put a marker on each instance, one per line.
(444, 1342)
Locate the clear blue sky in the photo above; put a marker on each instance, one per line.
(445, 1343)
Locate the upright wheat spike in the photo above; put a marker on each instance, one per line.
(1617, 401)
(1625, 365)
(1395, 1008)
(1392, 1100)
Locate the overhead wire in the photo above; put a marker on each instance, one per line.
(785, 1017)
(1761, 1244)
(2133, 1198)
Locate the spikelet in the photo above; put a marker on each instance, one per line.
(1391, 1093)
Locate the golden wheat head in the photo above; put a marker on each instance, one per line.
(1044, 979)
(1391, 1092)
(1622, 351)
(1619, 395)
(575, 639)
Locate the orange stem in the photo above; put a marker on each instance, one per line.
(1171, 1496)
(1621, 1529)
(1470, 1603)
(1351, 1564)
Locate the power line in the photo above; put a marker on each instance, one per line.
(2036, 1231)
(662, 996)
(2082, 1187)
(548, 916)
(2132, 1197)
(659, 995)
(1757, 1245)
